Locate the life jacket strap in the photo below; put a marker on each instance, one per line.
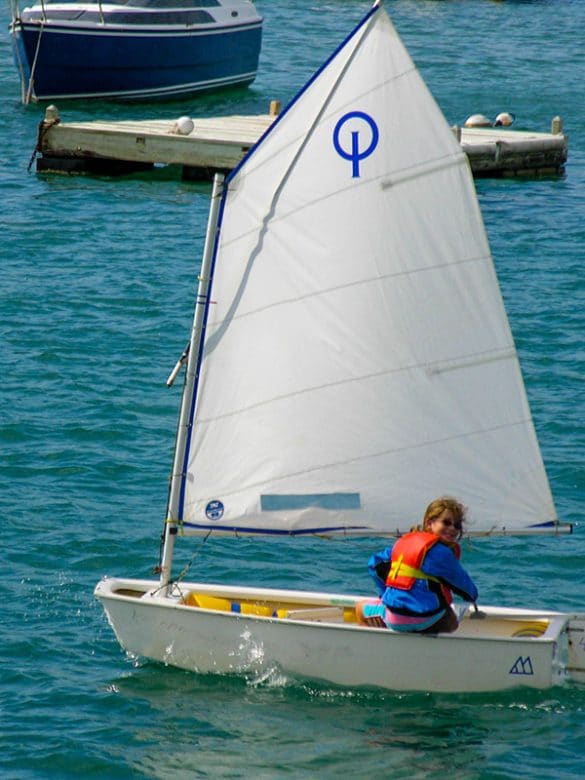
(401, 569)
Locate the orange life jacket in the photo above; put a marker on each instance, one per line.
(407, 558)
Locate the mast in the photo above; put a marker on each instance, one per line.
(174, 508)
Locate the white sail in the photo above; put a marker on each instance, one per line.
(358, 360)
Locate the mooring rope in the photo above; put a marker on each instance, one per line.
(44, 127)
(34, 65)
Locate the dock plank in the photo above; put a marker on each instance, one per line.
(219, 143)
(214, 143)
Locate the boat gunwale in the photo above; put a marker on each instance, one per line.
(558, 622)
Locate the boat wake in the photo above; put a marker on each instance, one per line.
(253, 664)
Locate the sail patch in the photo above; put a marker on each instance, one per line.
(273, 502)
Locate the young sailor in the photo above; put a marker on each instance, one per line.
(416, 575)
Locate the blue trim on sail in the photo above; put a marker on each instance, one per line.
(235, 529)
(316, 75)
(271, 502)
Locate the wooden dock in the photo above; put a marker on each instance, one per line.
(201, 146)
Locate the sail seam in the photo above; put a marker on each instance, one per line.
(429, 368)
(479, 360)
(391, 451)
(356, 283)
(415, 172)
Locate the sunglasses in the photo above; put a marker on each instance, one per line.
(451, 524)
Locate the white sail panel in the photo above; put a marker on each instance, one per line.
(358, 360)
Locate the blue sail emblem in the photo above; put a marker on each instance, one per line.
(364, 137)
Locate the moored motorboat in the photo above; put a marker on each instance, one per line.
(134, 49)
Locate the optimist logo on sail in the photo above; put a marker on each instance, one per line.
(214, 510)
(363, 139)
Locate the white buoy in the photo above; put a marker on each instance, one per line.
(52, 115)
(504, 119)
(183, 126)
(477, 120)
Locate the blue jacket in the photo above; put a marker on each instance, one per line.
(425, 598)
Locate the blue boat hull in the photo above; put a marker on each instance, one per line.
(90, 63)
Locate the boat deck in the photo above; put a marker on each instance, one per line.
(110, 148)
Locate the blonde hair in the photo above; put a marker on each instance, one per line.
(439, 505)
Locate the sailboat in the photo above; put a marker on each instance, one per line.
(350, 360)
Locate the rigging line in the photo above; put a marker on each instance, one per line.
(185, 569)
(34, 65)
(187, 566)
(16, 18)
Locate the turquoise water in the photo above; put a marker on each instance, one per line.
(95, 306)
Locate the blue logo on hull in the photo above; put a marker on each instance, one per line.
(522, 666)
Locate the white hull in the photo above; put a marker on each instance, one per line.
(312, 639)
